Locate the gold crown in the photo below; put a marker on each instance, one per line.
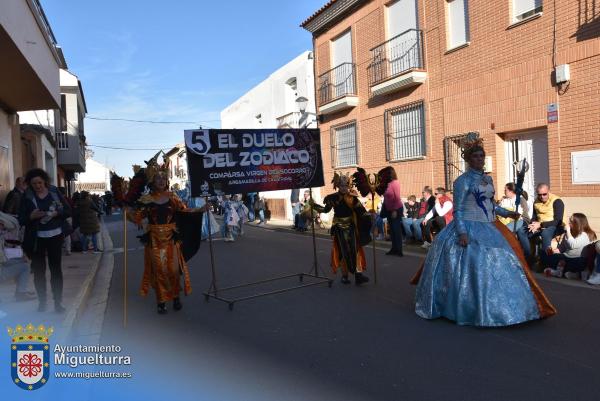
(30, 333)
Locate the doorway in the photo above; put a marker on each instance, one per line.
(533, 146)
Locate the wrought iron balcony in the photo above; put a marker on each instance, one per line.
(290, 120)
(399, 59)
(337, 83)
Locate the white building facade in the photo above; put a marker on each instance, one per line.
(177, 158)
(62, 152)
(29, 79)
(274, 103)
(95, 179)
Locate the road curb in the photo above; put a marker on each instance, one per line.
(381, 245)
(77, 308)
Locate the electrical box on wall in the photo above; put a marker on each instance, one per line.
(563, 73)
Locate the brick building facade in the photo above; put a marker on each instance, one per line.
(400, 82)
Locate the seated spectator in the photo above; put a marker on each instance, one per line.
(302, 218)
(13, 264)
(508, 202)
(567, 259)
(595, 277)
(546, 222)
(411, 213)
(426, 204)
(438, 217)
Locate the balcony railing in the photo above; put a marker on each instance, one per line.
(62, 141)
(290, 120)
(396, 56)
(337, 83)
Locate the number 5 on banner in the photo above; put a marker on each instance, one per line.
(198, 141)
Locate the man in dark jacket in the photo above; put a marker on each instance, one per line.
(426, 204)
(411, 210)
(13, 199)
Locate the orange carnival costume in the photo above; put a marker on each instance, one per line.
(169, 222)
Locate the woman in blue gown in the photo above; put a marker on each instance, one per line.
(474, 274)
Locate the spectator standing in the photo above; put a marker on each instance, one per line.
(438, 217)
(13, 199)
(296, 206)
(259, 206)
(43, 211)
(67, 243)
(89, 223)
(108, 203)
(392, 202)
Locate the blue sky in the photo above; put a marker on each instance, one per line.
(181, 60)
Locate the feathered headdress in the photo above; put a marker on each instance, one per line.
(386, 175)
(340, 178)
(153, 167)
(362, 182)
(137, 185)
(470, 143)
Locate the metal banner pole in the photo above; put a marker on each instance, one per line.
(314, 239)
(125, 267)
(373, 233)
(213, 285)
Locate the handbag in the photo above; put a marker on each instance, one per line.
(383, 213)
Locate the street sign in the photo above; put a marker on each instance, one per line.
(552, 113)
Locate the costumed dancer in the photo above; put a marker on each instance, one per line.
(475, 272)
(164, 256)
(230, 219)
(242, 211)
(199, 203)
(348, 227)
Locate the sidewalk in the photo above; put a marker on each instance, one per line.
(287, 226)
(79, 271)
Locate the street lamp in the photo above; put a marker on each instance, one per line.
(302, 102)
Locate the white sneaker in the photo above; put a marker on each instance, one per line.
(571, 275)
(426, 245)
(548, 272)
(595, 279)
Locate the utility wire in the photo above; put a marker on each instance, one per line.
(118, 148)
(149, 121)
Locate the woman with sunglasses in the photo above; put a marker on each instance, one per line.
(475, 273)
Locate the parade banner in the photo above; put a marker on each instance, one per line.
(233, 161)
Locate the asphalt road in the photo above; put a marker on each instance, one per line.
(344, 342)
